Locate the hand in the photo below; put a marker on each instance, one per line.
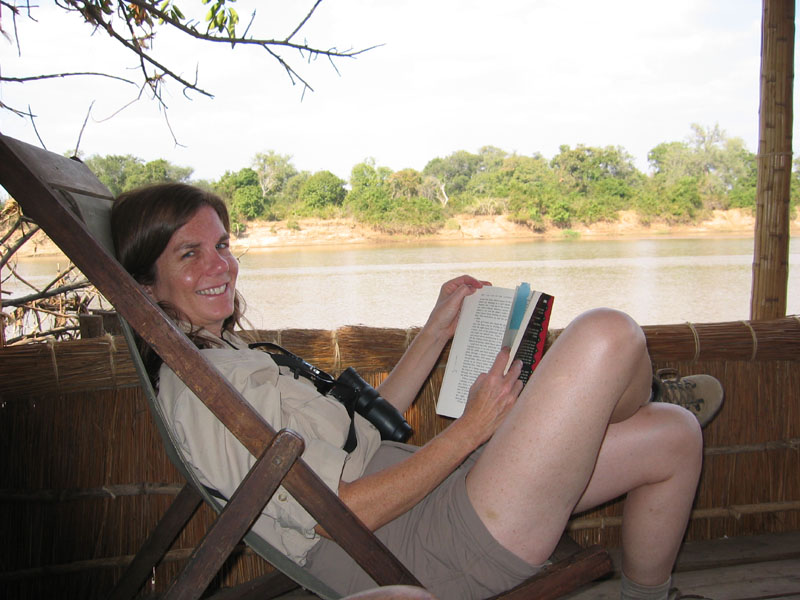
(492, 396)
(444, 316)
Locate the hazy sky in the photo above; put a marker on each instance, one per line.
(523, 75)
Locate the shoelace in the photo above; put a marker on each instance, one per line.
(680, 392)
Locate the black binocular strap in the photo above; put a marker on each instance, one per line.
(297, 365)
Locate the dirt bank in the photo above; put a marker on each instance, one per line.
(313, 232)
(344, 231)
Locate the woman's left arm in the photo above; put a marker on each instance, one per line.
(406, 379)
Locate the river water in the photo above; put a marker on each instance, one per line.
(657, 281)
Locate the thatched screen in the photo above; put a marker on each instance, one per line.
(85, 477)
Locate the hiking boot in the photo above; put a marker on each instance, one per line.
(701, 394)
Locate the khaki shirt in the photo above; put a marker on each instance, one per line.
(221, 461)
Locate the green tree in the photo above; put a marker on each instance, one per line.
(721, 167)
(534, 196)
(157, 171)
(113, 170)
(491, 157)
(372, 200)
(322, 192)
(248, 203)
(673, 160)
(242, 193)
(454, 171)
(406, 183)
(721, 161)
(273, 170)
(598, 182)
(743, 190)
(121, 173)
(287, 201)
(369, 189)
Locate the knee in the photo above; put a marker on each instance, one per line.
(610, 332)
(680, 434)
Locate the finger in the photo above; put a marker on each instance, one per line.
(470, 281)
(515, 369)
(500, 361)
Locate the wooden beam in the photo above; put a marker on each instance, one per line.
(771, 251)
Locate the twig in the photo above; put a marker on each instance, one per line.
(20, 278)
(59, 277)
(10, 231)
(61, 75)
(80, 134)
(52, 313)
(40, 334)
(304, 21)
(4, 259)
(14, 302)
(35, 129)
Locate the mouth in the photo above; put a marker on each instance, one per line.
(215, 291)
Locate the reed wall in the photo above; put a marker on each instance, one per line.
(85, 478)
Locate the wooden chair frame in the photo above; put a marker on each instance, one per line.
(69, 203)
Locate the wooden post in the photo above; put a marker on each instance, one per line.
(771, 252)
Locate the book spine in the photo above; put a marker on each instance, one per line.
(531, 348)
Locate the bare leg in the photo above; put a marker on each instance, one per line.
(656, 457)
(535, 470)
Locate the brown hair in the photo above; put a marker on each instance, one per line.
(142, 223)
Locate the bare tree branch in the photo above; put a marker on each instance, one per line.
(41, 334)
(61, 75)
(133, 24)
(5, 258)
(80, 133)
(59, 277)
(304, 21)
(20, 278)
(35, 129)
(14, 302)
(7, 235)
(16, 111)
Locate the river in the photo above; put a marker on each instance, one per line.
(657, 281)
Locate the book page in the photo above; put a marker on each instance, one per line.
(478, 339)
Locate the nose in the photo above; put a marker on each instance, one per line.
(217, 263)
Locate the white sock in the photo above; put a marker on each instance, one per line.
(630, 590)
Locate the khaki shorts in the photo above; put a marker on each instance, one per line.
(442, 541)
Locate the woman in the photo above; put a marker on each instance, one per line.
(481, 506)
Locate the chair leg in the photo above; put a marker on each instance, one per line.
(269, 586)
(237, 517)
(150, 554)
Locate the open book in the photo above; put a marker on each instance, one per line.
(491, 318)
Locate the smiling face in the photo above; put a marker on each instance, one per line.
(196, 272)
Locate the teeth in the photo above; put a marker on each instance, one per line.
(212, 291)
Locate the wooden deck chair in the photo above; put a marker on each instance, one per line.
(72, 206)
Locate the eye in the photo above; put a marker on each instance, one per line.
(223, 245)
(188, 254)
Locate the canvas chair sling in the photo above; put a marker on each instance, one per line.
(72, 206)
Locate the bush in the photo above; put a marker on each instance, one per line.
(321, 191)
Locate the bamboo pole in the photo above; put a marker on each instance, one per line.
(771, 250)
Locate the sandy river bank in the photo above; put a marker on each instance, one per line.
(344, 231)
(315, 232)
